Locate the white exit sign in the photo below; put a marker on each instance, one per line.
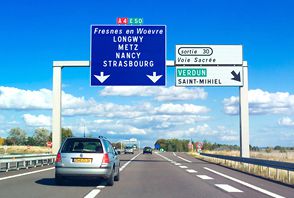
(209, 55)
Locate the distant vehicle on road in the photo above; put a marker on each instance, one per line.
(129, 149)
(147, 149)
(87, 157)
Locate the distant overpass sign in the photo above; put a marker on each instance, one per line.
(128, 55)
(209, 76)
(209, 55)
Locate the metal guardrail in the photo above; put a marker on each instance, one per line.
(16, 162)
(22, 156)
(260, 162)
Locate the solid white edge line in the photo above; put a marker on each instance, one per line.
(246, 184)
(27, 173)
(184, 159)
(228, 188)
(93, 193)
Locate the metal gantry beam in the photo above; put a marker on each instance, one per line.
(57, 104)
(57, 97)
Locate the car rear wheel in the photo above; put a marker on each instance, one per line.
(110, 180)
(116, 178)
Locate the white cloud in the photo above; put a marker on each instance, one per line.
(160, 93)
(229, 138)
(102, 121)
(120, 129)
(14, 98)
(37, 120)
(286, 121)
(181, 109)
(262, 102)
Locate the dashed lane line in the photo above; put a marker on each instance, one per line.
(93, 193)
(205, 177)
(28, 173)
(191, 171)
(246, 184)
(228, 188)
(183, 166)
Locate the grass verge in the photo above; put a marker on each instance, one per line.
(283, 176)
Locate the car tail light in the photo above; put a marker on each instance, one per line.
(58, 158)
(105, 159)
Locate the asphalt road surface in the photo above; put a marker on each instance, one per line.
(160, 175)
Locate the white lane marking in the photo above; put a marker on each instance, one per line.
(184, 159)
(178, 164)
(164, 157)
(28, 173)
(183, 166)
(204, 177)
(126, 164)
(191, 171)
(228, 188)
(93, 193)
(246, 184)
(174, 154)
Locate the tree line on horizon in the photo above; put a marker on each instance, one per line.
(173, 145)
(176, 145)
(18, 136)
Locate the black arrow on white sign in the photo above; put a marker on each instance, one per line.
(236, 77)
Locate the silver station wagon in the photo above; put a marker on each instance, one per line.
(87, 157)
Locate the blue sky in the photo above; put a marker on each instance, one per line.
(34, 33)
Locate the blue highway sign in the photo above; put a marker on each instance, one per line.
(128, 55)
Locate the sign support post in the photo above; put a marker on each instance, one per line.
(56, 109)
(244, 114)
(57, 99)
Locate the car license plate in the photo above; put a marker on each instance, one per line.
(82, 160)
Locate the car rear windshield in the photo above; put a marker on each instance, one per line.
(82, 146)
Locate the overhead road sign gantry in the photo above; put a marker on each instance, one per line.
(128, 55)
(209, 55)
(209, 76)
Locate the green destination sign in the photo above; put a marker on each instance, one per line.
(197, 72)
